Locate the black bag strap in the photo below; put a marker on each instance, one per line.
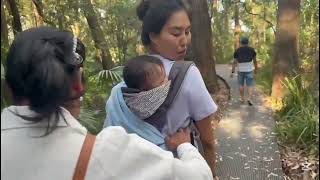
(176, 75)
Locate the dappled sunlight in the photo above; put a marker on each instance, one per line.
(232, 127)
(262, 110)
(257, 131)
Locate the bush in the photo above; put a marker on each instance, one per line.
(263, 79)
(298, 120)
(98, 88)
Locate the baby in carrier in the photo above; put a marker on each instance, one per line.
(147, 85)
(145, 91)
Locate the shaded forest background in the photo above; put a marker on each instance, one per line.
(285, 34)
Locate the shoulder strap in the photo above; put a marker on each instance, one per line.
(176, 75)
(84, 157)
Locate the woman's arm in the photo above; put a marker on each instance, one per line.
(208, 141)
(119, 155)
(202, 107)
(190, 165)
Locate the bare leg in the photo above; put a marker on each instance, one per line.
(250, 92)
(241, 89)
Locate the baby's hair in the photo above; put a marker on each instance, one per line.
(136, 70)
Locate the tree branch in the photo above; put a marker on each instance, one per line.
(245, 8)
(270, 23)
(39, 7)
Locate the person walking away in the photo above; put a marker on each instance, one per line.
(245, 59)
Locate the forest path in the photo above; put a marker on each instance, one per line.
(246, 142)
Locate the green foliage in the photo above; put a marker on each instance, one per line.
(222, 35)
(109, 77)
(263, 78)
(298, 121)
(92, 120)
(98, 87)
(120, 24)
(257, 27)
(309, 33)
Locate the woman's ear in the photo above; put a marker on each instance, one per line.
(78, 86)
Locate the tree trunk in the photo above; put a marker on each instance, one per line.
(97, 35)
(286, 61)
(38, 12)
(16, 23)
(226, 18)
(60, 15)
(202, 49)
(214, 27)
(264, 24)
(60, 21)
(5, 97)
(255, 37)
(4, 27)
(237, 28)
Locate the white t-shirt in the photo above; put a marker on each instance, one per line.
(116, 154)
(245, 67)
(193, 100)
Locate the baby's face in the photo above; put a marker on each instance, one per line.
(156, 78)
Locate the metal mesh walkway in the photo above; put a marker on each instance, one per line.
(246, 143)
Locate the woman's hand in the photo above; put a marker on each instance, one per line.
(180, 137)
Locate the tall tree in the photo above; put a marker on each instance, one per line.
(38, 12)
(202, 48)
(264, 23)
(14, 11)
(237, 28)
(226, 7)
(97, 34)
(5, 98)
(255, 25)
(4, 27)
(286, 61)
(214, 19)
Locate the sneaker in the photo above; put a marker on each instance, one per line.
(249, 102)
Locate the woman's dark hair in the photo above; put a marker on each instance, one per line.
(81, 50)
(136, 70)
(41, 69)
(155, 13)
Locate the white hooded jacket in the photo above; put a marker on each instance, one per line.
(116, 154)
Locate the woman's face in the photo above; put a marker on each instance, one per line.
(174, 38)
(73, 106)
